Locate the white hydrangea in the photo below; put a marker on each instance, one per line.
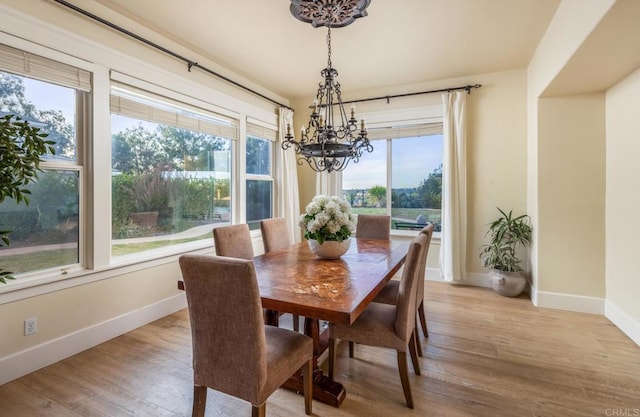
(327, 218)
(320, 200)
(312, 208)
(334, 226)
(332, 208)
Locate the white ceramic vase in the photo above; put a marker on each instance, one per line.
(509, 284)
(329, 249)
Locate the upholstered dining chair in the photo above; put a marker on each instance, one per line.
(233, 241)
(373, 226)
(389, 293)
(275, 235)
(386, 325)
(233, 351)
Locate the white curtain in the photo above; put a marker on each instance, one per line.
(328, 184)
(288, 192)
(453, 256)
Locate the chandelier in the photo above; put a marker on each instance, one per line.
(332, 138)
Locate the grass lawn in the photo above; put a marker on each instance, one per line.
(39, 260)
(45, 259)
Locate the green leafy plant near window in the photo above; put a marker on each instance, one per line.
(21, 148)
(506, 235)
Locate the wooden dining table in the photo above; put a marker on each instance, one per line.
(294, 280)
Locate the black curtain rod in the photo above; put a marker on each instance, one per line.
(190, 63)
(467, 88)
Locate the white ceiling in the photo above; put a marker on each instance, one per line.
(399, 42)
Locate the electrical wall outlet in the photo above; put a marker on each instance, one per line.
(30, 326)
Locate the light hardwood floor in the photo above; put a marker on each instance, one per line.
(486, 356)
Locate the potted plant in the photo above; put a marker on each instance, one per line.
(507, 236)
(21, 148)
(328, 224)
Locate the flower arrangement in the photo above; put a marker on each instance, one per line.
(327, 218)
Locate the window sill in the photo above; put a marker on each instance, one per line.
(32, 285)
(410, 234)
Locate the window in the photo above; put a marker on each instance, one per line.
(46, 233)
(407, 161)
(171, 171)
(259, 182)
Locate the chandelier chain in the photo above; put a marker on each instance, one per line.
(329, 46)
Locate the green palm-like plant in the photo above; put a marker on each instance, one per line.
(21, 146)
(507, 234)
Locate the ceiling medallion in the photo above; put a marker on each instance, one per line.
(334, 13)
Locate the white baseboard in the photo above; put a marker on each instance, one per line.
(477, 279)
(623, 321)
(473, 278)
(569, 302)
(29, 360)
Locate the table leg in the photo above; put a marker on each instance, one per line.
(325, 389)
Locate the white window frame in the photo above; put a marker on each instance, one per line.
(50, 66)
(265, 131)
(406, 118)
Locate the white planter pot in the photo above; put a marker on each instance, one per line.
(509, 284)
(330, 249)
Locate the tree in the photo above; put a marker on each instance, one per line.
(53, 122)
(22, 146)
(189, 150)
(377, 194)
(137, 150)
(430, 189)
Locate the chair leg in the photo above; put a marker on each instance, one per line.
(199, 401)
(423, 319)
(308, 387)
(404, 377)
(416, 335)
(332, 357)
(259, 411)
(296, 322)
(414, 355)
(351, 349)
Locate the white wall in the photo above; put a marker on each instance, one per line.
(559, 183)
(583, 154)
(571, 184)
(623, 205)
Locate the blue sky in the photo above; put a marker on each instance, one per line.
(413, 160)
(46, 96)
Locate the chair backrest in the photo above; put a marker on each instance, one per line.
(373, 226)
(233, 241)
(427, 231)
(407, 291)
(275, 234)
(227, 326)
